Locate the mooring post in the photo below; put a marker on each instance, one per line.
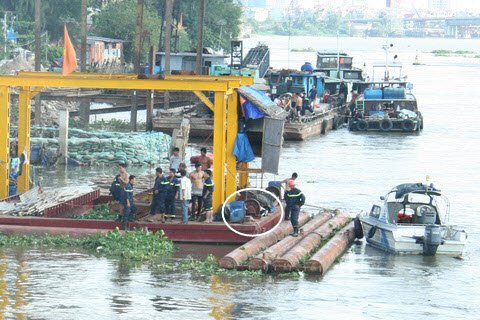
(63, 135)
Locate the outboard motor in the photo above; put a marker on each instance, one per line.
(431, 240)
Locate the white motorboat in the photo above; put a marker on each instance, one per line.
(413, 219)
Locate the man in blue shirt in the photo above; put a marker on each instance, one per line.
(207, 193)
(129, 208)
(172, 194)
(159, 194)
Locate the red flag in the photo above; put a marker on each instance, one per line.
(180, 22)
(69, 57)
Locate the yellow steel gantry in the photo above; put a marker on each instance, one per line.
(225, 107)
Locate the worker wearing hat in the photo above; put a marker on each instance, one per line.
(294, 199)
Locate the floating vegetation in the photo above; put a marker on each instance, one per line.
(99, 212)
(209, 266)
(445, 53)
(135, 245)
(309, 49)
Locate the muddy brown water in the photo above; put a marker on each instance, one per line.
(343, 169)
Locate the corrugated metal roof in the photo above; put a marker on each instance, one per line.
(91, 39)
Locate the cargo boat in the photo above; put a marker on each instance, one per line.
(386, 107)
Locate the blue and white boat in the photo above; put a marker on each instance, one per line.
(412, 220)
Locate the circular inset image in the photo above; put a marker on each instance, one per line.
(253, 207)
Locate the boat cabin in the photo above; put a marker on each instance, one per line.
(334, 60)
(379, 98)
(281, 82)
(338, 66)
(412, 203)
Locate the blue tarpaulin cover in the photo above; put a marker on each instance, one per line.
(256, 104)
(242, 149)
(250, 110)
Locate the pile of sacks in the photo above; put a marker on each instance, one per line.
(104, 147)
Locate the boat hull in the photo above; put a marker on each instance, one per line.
(402, 239)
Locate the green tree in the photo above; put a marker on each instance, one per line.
(222, 22)
(117, 20)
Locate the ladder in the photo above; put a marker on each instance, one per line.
(360, 106)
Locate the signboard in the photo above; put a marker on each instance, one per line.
(271, 144)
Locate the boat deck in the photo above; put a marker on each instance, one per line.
(198, 232)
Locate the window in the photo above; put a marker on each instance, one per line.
(375, 212)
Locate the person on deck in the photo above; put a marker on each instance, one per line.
(312, 95)
(123, 174)
(197, 178)
(204, 160)
(294, 200)
(306, 104)
(129, 208)
(185, 194)
(207, 196)
(343, 91)
(285, 181)
(159, 195)
(172, 194)
(175, 159)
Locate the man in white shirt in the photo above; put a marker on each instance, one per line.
(175, 159)
(185, 194)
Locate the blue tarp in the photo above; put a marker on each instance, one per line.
(242, 149)
(251, 111)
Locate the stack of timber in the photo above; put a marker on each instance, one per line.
(35, 202)
(142, 183)
(321, 241)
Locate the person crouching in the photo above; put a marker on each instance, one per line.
(294, 200)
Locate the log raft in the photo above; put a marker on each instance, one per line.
(325, 237)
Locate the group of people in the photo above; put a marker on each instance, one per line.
(194, 191)
(122, 192)
(297, 103)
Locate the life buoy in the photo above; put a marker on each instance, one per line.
(361, 125)
(371, 232)
(358, 228)
(386, 125)
(408, 125)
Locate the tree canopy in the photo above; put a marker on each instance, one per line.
(116, 19)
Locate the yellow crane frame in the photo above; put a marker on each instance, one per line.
(225, 108)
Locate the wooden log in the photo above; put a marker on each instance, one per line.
(263, 260)
(309, 243)
(238, 256)
(321, 261)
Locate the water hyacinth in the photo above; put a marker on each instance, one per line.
(136, 245)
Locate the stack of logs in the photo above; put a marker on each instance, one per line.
(329, 232)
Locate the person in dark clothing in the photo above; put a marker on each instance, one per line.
(159, 194)
(116, 189)
(343, 91)
(129, 208)
(172, 194)
(306, 104)
(294, 199)
(207, 195)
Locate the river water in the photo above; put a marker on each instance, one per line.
(343, 169)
